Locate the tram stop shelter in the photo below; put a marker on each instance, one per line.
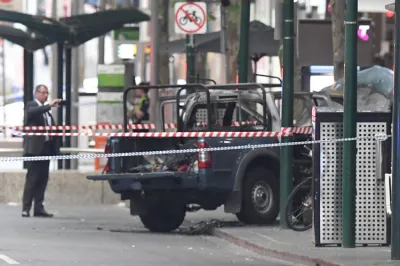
(30, 43)
(68, 32)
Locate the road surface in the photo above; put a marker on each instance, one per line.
(108, 235)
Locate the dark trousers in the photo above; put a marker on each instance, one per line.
(36, 180)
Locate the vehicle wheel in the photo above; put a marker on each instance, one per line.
(260, 197)
(298, 211)
(162, 219)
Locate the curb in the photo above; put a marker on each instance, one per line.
(274, 253)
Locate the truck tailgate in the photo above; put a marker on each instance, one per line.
(137, 176)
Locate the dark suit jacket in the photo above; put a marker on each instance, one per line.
(34, 116)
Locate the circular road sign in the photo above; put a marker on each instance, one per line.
(190, 17)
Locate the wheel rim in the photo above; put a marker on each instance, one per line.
(297, 220)
(262, 197)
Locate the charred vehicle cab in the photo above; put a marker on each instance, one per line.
(162, 188)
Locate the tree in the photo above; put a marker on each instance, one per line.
(298, 103)
(338, 17)
(163, 63)
(233, 29)
(202, 58)
(201, 65)
(164, 8)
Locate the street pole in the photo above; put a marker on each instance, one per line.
(287, 107)
(224, 46)
(190, 58)
(154, 63)
(4, 81)
(129, 73)
(59, 95)
(76, 79)
(244, 41)
(54, 62)
(68, 98)
(102, 7)
(395, 241)
(350, 127)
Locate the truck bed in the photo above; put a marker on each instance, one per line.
(132, 144)
(151, 181)
(138, 176)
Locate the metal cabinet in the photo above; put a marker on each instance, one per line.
(371, 219)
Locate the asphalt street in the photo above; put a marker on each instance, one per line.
(108, 235)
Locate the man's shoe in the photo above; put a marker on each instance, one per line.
(25, 214)
(43, 214)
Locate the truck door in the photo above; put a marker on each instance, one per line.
(224, 161)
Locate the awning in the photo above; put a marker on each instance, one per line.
(88, 26)
(51, 28)
(31, 41)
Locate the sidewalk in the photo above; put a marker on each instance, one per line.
(298, 247)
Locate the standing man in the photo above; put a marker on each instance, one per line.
(140, 112)
(37, 114)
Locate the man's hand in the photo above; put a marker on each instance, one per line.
(139, 114)
(55, 103)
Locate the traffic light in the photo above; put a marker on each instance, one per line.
(225, 3)
(390, 22)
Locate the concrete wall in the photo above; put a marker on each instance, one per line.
(65, 187)
(11, 143)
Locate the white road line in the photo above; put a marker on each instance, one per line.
(8, 259)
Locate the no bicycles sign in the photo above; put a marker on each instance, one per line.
(190, 17)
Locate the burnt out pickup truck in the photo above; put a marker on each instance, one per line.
(162, 188)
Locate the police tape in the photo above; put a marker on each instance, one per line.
(117, 126)
(285, 131)
(298, 130)
(86, 127)
(250, 134)
(379, 137)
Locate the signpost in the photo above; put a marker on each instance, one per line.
(111, 85)
(126, 41)
(190, 18)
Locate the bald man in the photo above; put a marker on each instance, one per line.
(37, 113)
